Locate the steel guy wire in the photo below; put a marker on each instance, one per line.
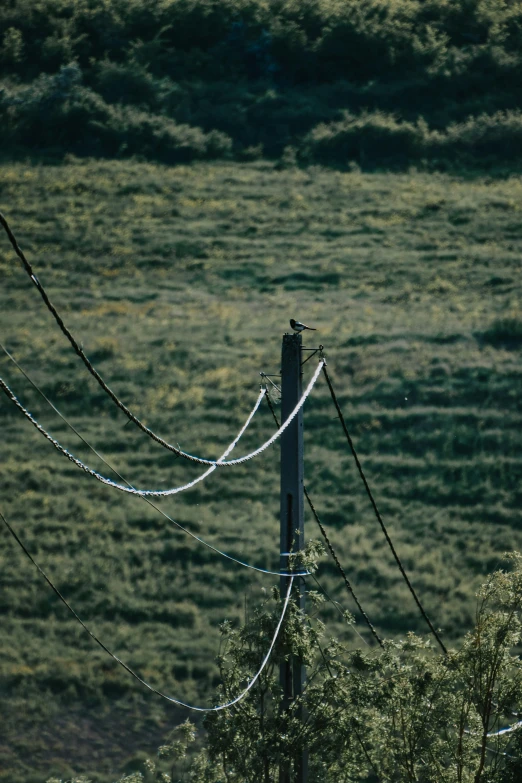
(155, 493)
(378, 515)
(150, 503)
(171, 699)
(330, 546)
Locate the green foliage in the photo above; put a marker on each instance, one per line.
(414, 80)
(56, 111)
(485, 137)
(373, 138)
(402, 714)
(12, 46)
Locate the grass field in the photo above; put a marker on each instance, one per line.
(179, 282)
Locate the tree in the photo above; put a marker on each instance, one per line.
(404, 713)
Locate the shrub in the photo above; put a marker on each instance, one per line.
(127, 83)
(130, 131)
(58, 112)
(369, 138)
(505, 331)
(497, 136)
(12, 49)
(401, 713)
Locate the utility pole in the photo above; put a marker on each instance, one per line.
(292, 672)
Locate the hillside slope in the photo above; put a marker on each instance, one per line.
(179, 283)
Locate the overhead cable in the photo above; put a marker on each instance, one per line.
(342, 572)
(330, 546)
(80, 352)
(378, 515)
(157, 493)
(109, 482)
(150, 503)
(507, 730)
(171, 699)
(132, 490)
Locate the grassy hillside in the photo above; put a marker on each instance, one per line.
(179, 282)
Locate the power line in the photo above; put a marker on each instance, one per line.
(150, 503)
(128, 668)
(109, 482)
(330, 546)
(171, 699)
(342, 572)
(79, 351)
(378, 515)
(508, 730)
(155, 493)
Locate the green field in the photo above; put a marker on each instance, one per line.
(179, 282)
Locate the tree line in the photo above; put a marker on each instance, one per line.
(336, 82)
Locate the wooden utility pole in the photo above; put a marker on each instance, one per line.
(292, 672)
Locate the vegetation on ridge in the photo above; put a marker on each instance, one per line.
(381, 83)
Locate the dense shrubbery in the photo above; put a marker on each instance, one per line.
(378, 138)
(375, 137)
(58, 112)
(400, 714)
(268, 74)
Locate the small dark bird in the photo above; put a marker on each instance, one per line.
(297, 326)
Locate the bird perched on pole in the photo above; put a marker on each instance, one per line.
(297, 326)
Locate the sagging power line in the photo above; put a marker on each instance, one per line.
(127, 668)
(162, 493)
(81, 353)
(146, 499)
(292, 489)
(28, 268)
(378, 514)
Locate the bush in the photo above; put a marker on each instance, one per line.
(401, 713)
(58, 112)
(266, 74)
(504, 332)
(497, 136)
(127, 83)
(129, 131)
(369, 138)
